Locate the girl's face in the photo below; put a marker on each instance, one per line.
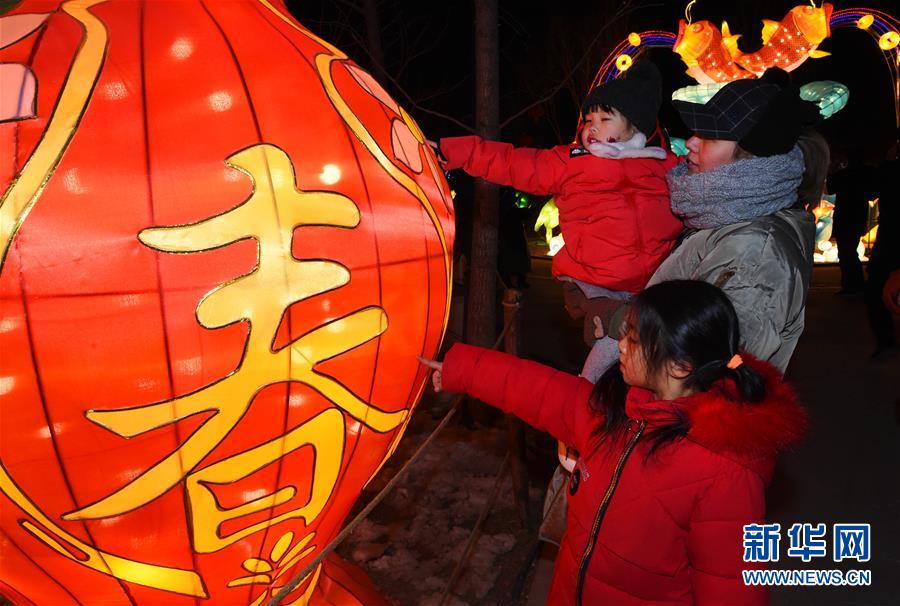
(633, 363)
(605, 127)
(706, 154)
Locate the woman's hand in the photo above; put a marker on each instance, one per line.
(573, 299)
(438, 368)
(592, 329)
(605, 310)
(599, 333)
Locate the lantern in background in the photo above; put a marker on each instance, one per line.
(222, 246)
(707, 52)
(789, 42)
(712, 55)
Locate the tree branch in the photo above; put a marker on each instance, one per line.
(626, 8)
(431, 112)
(351, 5)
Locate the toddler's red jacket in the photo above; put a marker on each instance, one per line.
(614, 213)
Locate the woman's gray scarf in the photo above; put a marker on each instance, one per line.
(740, 191)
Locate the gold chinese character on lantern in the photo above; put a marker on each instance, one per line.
(270, 215)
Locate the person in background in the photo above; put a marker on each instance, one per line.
(885, 257)
(891, 293)
(513, 258)
(853, 185)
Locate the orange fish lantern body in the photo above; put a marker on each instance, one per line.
(703, 49)
(790, 42)
(223, 245)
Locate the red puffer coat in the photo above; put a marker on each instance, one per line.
(671, 530)
(614, 214)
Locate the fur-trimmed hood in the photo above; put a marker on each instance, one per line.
(751, 434)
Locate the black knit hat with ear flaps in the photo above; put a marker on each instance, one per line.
(637, 95)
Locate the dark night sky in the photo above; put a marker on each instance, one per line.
(428, 49)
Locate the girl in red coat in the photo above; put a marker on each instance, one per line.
(678, 442)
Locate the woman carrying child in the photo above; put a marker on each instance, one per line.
(742, 194)
(678, 441)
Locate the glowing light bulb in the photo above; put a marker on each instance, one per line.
(7, 384)
(220, 101)
(623, 62)
(181, 49)
(330, 174)
(889, 40)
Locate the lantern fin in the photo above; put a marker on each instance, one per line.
(769, 28)
(817, 54)
(730, 41)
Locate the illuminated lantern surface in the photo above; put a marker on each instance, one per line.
(830, 96)
(223, 245)
(712, 55)
(706, 53)
(791, 41)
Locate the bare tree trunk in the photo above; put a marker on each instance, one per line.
(481, 313)
(373, 38)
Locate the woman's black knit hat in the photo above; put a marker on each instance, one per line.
(637, 95)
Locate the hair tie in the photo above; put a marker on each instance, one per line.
(735, 361)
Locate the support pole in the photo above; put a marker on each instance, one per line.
(512, 317)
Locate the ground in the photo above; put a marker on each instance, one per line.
(411, 543)
(846, 471)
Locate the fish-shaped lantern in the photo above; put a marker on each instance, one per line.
(705, 52)
(788, 43)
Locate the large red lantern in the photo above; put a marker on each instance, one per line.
(223, 245)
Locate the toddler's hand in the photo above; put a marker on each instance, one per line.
(436, 148)
(436, 375)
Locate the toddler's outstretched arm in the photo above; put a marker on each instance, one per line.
(536, 171)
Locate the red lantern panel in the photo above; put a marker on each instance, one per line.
(223, 245)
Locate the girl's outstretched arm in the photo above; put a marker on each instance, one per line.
(546, 398)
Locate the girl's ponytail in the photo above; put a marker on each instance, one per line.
(750, 384)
